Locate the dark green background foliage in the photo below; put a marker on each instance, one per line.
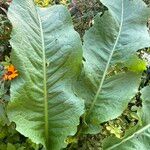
(82, 13)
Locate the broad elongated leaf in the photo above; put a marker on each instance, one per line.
(140, 136)
(120, 32)
(47, 53)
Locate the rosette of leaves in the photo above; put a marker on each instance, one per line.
(47, 97)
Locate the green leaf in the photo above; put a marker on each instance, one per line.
(3, 146)
(139, 136)
(117, 92)
(10, 146)
(135, 64)
(138, 140)
(47, 53)
(146, 105)
(112, 40)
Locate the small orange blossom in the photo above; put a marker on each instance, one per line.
(11, 73)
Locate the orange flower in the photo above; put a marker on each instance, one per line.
(11, 73)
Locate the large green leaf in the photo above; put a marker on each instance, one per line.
(139, 136)
(115, 35)
(48, 55)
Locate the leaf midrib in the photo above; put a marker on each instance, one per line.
(44, 81)
(108, 63)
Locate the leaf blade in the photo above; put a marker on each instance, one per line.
(108, 42)
(42, 97)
